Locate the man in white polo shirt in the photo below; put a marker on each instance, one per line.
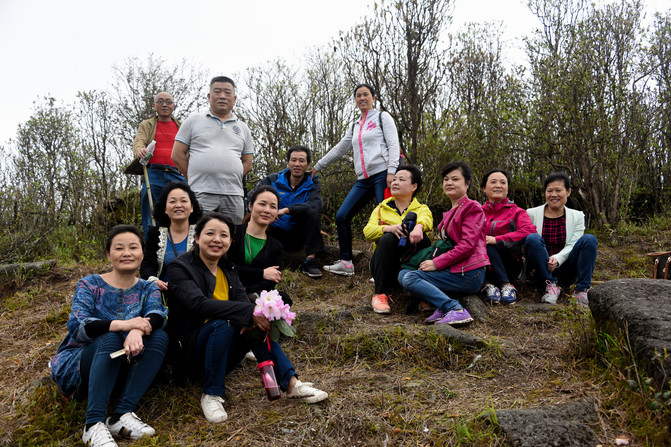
(214, 151)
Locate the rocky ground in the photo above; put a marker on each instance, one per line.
(391, 379)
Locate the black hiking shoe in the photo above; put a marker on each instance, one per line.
(311, 269)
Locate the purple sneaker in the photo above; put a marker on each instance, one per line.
(437, 315)
(456, 317)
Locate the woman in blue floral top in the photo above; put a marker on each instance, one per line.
(111, 312)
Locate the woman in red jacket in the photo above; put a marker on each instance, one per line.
(507, 227)
(462, 269)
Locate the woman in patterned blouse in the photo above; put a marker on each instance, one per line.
(112, 312)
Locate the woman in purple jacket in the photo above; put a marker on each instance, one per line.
(462, 269)
(507, 227)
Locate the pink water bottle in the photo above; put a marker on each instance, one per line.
(269, 381)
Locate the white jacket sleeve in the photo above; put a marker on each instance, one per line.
(336, 152)
(391, 140)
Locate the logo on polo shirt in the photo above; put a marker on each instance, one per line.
(237, 130)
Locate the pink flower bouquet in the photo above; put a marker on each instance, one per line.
(271, 306)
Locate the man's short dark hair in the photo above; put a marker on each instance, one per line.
(300, 149)
(222, 79)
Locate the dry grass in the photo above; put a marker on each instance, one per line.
(391, 382)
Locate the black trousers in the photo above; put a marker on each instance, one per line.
(505, 265)
(306, 232)
(386, 261)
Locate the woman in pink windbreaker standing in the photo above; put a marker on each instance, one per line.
(460, 270)
(507, 227)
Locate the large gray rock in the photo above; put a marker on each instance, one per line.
(558, 425)
(456, 336)
(641, 308)
(476, 307)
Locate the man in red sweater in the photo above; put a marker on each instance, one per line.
(161, 170)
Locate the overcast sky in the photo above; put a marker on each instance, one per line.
(58, 48)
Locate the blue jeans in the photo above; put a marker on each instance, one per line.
(158, 178)
(434, 286)
(577, 269)
(503, 265)
(358, 197)
(100, 373)
(220, 348)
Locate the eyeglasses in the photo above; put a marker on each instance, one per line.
(167, 102)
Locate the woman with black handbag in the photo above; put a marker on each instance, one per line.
(462, 269)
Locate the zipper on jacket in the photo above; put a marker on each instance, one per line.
(363, 164)
(468, 265)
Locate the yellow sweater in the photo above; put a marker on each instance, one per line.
(384, 215)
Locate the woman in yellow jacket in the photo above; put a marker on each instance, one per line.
(394, 239)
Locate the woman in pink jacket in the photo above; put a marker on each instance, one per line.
(507, 227)
(462, 269)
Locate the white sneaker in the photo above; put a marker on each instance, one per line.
(98, 436)
(213, 408)
(130, 426)
(552, 292)
(339, 268)
(306, 392)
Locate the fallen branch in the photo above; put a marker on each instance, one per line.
(27, 266)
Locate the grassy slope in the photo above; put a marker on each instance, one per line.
(391, 382)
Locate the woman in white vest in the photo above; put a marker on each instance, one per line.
(560, 251)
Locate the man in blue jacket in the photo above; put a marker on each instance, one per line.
(301, 202)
